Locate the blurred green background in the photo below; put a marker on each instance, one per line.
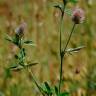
(42, 27)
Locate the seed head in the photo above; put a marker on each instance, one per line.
(78, 16)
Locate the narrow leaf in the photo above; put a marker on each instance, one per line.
(31, 64)
(65, 94)
(56, 90)
(19, 67)
(59, 6)
(74, 1)
(47, 86)
(8, 38)
(28, 42)
(75, 49)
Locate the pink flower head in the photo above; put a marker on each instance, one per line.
(20, 29)
(78, 16)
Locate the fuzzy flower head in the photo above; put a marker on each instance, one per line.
(78, 16)
(20, 29)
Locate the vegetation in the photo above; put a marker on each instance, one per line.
(47, 48)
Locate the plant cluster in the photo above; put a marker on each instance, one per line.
(77, 17)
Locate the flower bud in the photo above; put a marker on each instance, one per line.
(20, 29)
(78, 16)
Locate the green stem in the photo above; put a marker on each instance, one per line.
(69, 38)
(61, 59)
(32, 76)
(62, 55)
(60, 30)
